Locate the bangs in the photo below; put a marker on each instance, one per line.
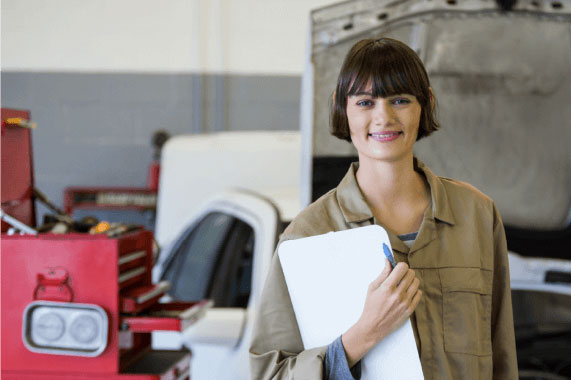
(387, 71)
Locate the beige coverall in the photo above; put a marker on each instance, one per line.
(463, 324)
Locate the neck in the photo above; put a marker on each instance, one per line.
(390, 184)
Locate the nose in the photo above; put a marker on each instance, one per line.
(383, 113)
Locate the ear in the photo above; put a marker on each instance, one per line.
(334, 97)
(431, 97)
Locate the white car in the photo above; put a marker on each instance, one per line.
(223, 254)
(223, 243)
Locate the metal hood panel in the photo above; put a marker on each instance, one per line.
(503, 86)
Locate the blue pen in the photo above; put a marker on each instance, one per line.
(389, 255)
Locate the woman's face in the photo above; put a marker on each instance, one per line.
(383, 128)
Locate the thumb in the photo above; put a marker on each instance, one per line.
(382, 276)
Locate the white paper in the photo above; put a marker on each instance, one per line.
(327, 277)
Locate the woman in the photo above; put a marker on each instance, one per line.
(452, 275)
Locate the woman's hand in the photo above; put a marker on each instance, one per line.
(391, 299)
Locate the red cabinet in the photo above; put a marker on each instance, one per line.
(49, 280)
(17, 170)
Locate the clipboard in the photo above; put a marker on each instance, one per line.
(327, 278)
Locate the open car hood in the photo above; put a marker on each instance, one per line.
(502, 85)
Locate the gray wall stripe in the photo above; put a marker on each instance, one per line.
(95, 129)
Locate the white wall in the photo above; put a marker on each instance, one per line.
(236, 36)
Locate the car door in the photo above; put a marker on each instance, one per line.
(222, 254)
(213, 259)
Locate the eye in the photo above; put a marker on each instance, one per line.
(365, 103)
(401, 101)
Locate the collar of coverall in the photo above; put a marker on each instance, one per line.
(355, 208)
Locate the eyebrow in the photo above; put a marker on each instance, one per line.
(371, 94)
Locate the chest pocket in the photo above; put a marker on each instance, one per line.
(467, 308)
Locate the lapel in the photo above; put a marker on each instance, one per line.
(357, 212)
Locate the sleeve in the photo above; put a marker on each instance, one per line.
(276, 351)
(503, 337)
(335, 364)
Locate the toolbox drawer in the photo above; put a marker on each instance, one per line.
(173, 316)
(163, 365)
(138, 299)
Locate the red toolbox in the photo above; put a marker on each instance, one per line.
(78, 306)
(83, 306)
(17, 169)
(130, 205)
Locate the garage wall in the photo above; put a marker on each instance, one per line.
(238, 36)
(100, 76)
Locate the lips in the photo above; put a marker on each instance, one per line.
(385, 136)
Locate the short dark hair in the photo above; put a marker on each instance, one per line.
(393, 68)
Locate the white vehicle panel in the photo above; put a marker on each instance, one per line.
(194, 167)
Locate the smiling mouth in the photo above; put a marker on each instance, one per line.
(385, 136)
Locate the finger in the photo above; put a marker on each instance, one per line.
(411, 291)
(383, 276)
(397, 274)
(415, 301)
(406, 280)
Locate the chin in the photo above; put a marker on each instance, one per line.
(385, 155)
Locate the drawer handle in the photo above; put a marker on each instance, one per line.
(160, 288)
(196, 310)
(130, 274)
(131, 257)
